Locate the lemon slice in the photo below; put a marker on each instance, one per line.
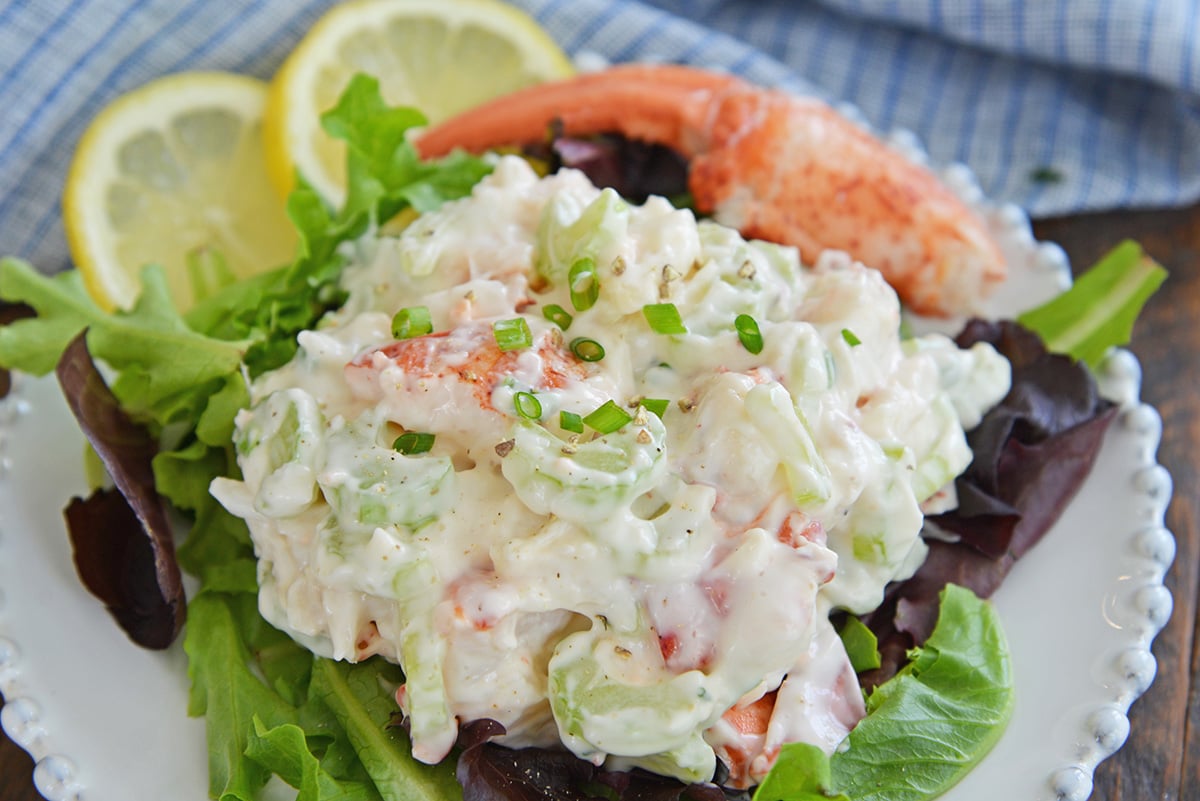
(173, 173)
(441, 56)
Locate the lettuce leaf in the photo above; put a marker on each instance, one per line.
(1098, 311)
(127, 559)
(362, 700)
(284, 750)
(165, 370)
(860, 642)
(926, 727)
(802, 773)
(182, 475)
(635, 169)
(34, 344)
(490, 772)
(228, 693)
(384, 174)
(931, 723)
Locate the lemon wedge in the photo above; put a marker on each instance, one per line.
(440, 56)
(173, 173)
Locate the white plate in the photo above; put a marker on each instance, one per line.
(106, 721)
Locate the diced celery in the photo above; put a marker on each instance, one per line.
(684, 531)
(771, 408)
(422, 653)
(585, 481)
(611, 694)
(565, 237)
(368, 485)
(692, 762)
(948, 454)
(975, 379)
(876, 541)
(280, 443)
(869, 547)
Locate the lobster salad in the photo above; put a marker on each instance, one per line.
(627, 520)
(547, 492)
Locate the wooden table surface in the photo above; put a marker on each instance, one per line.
(1161, 759)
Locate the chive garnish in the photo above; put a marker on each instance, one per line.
(851, 339)
(608, 418)
(748, 333)
(589, 350)
(512, 334)
(528, 406)
(569, 421)
(410, 443)
(656, 405)
(412, 321)
(664, 318)
(584, 284)
(558, 315)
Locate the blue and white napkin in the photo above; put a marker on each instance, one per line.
(1057, 105)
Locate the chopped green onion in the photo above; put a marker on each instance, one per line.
(412, 321)
(664, 318)
(608, 418)
(528, 406)
(1045, 175)
(569, 421)
(851, 339)
(411, 443)
(748, 333)
(558, 315)
(589, 350)
(584, 284)
(656, 405)
(512, 334)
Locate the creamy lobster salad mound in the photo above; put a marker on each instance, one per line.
(600, 473)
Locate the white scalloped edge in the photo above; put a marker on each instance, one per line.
(1047, 271)
(1151, 552)
(1130, 672)
(54, 774)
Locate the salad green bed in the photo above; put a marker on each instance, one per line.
(327, 728)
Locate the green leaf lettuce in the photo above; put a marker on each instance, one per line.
(926, 727)
(1099, 310)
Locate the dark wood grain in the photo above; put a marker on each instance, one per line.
(1161, 759)
(16, 772)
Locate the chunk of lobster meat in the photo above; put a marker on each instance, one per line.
(775, 166)
(460, 382)
(818, 703)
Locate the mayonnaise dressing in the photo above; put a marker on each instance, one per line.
(613, 592)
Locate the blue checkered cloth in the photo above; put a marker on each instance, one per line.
(1057, 105)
